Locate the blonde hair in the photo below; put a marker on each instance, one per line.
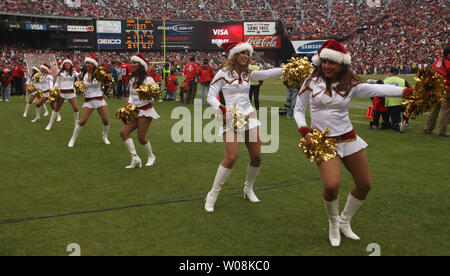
(231, 64)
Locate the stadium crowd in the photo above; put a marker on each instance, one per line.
(378, 36)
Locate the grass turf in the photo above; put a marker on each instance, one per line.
(405, 212)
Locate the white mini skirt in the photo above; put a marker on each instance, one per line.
(149, 113)
(68, 96)
(94, 104)
(349, 148)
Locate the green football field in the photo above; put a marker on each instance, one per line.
(53, 196)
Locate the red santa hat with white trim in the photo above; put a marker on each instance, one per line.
(35, 68)
(334, 51)
(139, 58)
(66, 61)
(46, 67)
(92, 59)
(235, 47)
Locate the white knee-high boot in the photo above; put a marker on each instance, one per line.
(45, 110)
(105, 134)
(76, 131)
(52, 119)
(252, 172)
(76, 117)
(151, 156)
(135, 160)
(351, 206)
(58, 119)
(38, 115)
(27, 107)
(221, 176)
(332, 208)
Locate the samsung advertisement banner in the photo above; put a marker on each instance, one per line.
(307, 46)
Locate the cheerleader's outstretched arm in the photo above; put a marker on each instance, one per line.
(365, 90)
(261, 75)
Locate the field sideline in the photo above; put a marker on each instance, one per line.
(159, 210)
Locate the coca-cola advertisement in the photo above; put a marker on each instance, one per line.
(264, 41)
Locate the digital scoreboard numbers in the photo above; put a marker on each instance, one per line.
(139, 34)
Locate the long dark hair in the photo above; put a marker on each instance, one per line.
(84, 71)
(33, 72)
(63, 69)
(140, 75)
(347, 79)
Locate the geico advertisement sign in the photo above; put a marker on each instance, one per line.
(109, 41)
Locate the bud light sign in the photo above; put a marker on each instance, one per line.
(307, 46)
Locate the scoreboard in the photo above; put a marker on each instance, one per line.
(139, 34)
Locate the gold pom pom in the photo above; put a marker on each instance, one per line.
(54, 94)
(235, 119)
(30, 88)
(428, 91)
(127, 113)
(321, 147)
(297, 71)
(79, 87)
(39, 94)
(37, 77)
(101, 75)
(149, 91)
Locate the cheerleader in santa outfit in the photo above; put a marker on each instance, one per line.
(147, 113)
(65, 81)
(93, 99)
(328, 92)
(32, 96)
(46, 83)
(234, 81)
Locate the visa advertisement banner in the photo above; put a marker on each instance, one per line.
(221, 32)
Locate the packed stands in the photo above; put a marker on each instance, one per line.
(395, 32)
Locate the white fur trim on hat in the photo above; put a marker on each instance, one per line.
(335, 56)
(140, 61)
(91, 60)
(240, 48)
(45, 68)
(35, 68)
(316, 60)
(66, 61)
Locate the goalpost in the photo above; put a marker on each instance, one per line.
(163, 61)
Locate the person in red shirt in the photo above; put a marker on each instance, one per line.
(18, 74)
(125, 71)
(206, 75)
(442, 67)
(191, 72)
(5, 85)
(171, 87)
(379, 109)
